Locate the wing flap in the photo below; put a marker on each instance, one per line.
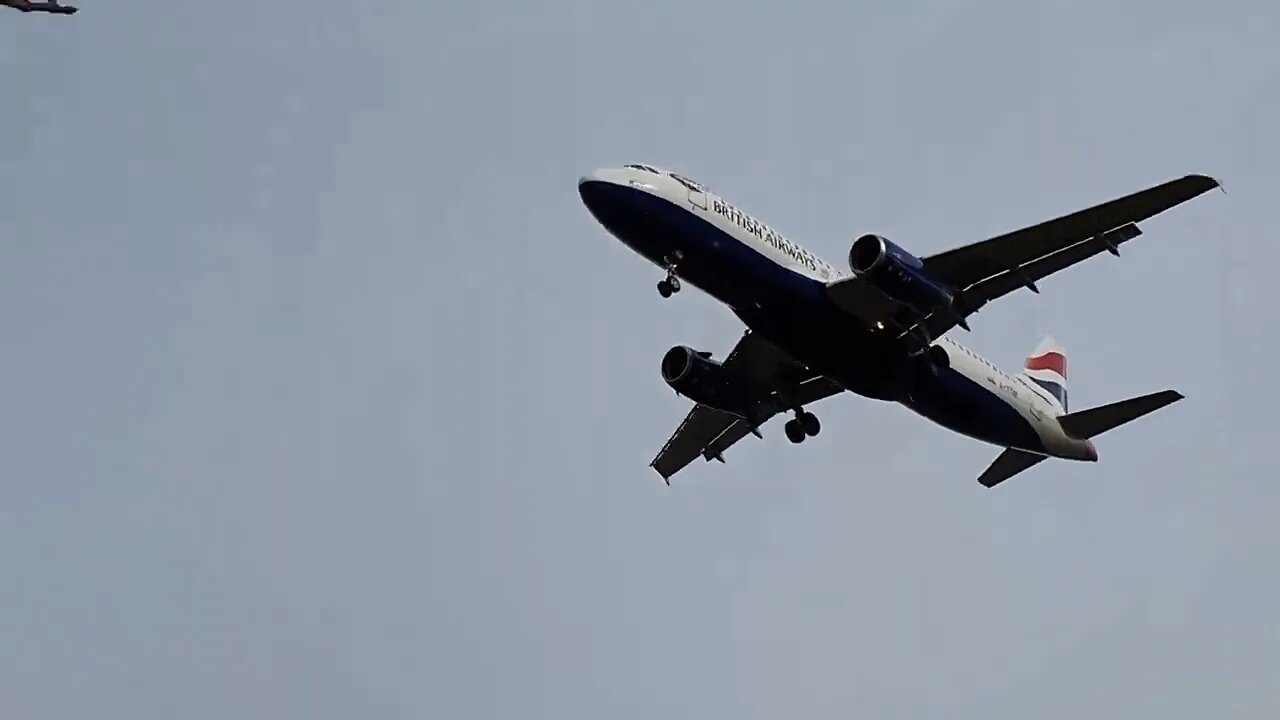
(805, 394)
(698, 430)
(1026, 276)
(967, 265)
(707, 432)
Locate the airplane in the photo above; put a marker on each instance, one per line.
(876, 329)
(49, 6)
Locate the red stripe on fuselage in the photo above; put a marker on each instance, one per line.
(1049, 361)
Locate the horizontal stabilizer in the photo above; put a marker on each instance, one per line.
(1010, 463)
(1095, 421)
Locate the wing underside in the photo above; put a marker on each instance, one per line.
(984, 271)
(708, 433)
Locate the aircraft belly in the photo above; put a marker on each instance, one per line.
(960, 404)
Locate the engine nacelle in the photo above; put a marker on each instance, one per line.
(696, 376)
(898, 273)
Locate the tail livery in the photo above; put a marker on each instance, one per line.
(1047, 368)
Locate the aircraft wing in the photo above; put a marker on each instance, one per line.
(964, 266)
(984, 291)
(983, 271)
(708, 432)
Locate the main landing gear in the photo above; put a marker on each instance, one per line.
(805, 424)
(671, 285)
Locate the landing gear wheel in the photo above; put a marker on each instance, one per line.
(671, 284)
(795, 431)
(809, 423)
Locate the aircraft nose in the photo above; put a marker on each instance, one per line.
(602, 176)
(599, 190)
(591, 188)
(588, 180)
(609, 198)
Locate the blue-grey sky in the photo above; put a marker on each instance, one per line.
(322, 396)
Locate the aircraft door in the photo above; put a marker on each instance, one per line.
(697, 196)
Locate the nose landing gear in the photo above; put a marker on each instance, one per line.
(671, 284)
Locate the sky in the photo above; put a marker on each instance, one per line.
(323, 396)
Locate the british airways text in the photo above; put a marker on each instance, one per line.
(767, 234)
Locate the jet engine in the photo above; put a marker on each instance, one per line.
(919, 374)
(898, 273)
(696, 376)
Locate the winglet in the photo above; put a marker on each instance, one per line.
(1207, 181)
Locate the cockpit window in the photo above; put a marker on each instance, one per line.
(687, 183)
(645, 168)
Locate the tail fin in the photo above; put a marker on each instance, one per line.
(1046, 366)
